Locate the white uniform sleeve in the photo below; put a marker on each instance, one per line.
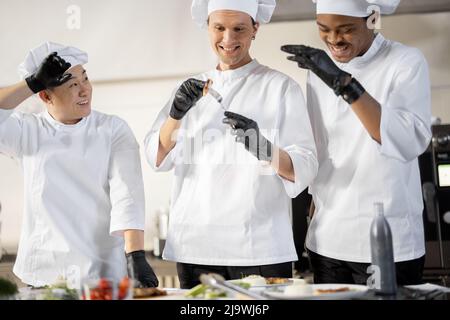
(126, 182)
(152, 141)
(296, 138)
(11, 133)
(312, 103)
(406, 116)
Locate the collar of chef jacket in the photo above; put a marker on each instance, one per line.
(360, 61)
(61, 126)
(230, 75)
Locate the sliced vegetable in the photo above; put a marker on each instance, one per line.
(205, 292)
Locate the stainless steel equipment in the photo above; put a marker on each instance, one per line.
(434, 166)
(435, 174)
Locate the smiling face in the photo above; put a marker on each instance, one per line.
(346, 37)
(71, 101)
(230, 33)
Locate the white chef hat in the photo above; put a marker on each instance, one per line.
(260, 10)
(355, 8)
(35, 57)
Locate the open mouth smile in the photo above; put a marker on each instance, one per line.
(229, 49)
(339, 50)
(83, 103)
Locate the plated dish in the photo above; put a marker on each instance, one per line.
(316, 291)
(256, 281)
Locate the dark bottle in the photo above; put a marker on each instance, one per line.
(382, 252)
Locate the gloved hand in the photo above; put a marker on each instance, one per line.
(186, 96)
(49, 74)
(247, 132)
(142, 271)
(321, 64)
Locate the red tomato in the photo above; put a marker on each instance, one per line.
(124, 283)
(104, 284)
(95, 294)
(124, 286)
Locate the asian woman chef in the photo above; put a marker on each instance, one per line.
(370, 128)
(84, 198)
(231, 197)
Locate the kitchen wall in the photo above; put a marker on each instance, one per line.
(136, 61)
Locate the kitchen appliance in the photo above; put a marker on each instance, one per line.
(434, 166)
(435, 174)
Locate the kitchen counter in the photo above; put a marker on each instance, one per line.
(166, 270)
(420, 292)
(167, 276)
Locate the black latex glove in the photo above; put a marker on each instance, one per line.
(247, 132)
(49, 74)
(186, 96)
(321, 64)
(140, 271)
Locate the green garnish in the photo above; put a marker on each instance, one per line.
(7, 288)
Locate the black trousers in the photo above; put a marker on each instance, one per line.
(328, 270)
(189, 274)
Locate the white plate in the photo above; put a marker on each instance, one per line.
(355, 291)
(289, 282)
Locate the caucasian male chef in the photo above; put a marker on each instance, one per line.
(228, 216)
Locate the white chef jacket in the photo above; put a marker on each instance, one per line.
(227, 207)
(355, 171)
(83, 187)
